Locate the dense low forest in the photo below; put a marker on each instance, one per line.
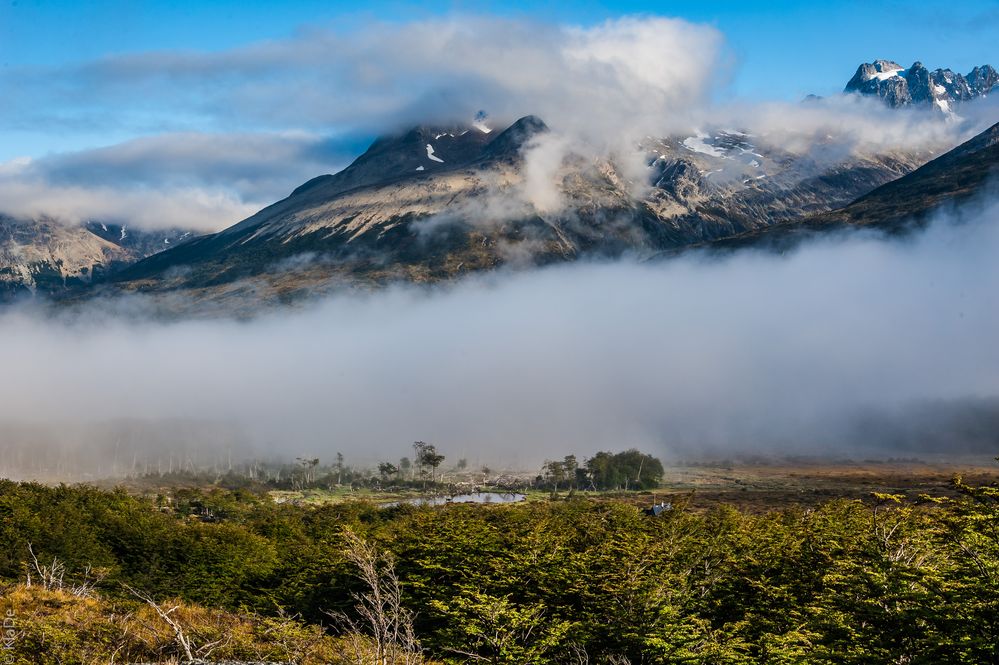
(96, 576)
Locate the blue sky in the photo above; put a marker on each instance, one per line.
(783, 47)
(780, 49)
(182, 95)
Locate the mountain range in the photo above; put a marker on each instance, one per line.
(433, 203)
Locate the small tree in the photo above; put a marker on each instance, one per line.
(629, 469)
(308, 465)
(553, 473)
(387, 470)
(406, 466)
(419, 448)
(430, 457)
(571, 467)
(339, 468)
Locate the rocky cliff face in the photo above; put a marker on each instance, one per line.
(717, 184)
(917, 85)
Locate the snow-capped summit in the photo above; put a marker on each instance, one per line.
(983, 80)
(917, 85)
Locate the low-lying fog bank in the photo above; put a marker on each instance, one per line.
(853, 346)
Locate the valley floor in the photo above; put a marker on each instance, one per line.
(755, 563)
(757, 486)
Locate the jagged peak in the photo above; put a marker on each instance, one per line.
(918, 85)
(869, 71)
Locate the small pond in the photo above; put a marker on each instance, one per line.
(473, 497)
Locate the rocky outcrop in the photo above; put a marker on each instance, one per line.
(982, 80)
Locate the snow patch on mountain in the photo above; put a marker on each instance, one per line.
(431, 155)
(883, 76)
(698, 143)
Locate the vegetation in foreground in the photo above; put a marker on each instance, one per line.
(574, 581)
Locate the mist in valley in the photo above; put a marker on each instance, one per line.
(854, 345)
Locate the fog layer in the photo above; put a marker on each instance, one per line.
(830, 349)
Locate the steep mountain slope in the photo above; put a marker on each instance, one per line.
(719, 184)
(434, 203)
(951, 178)
(898, 206)
(917, 85)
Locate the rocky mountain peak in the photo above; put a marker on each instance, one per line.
(882, 78)
(983, 79)
(918, 85)
(425, 149)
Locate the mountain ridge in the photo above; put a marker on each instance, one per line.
(384, 219)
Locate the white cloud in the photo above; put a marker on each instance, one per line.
(190, 180)
(615, 80)
(196, 208)
(389, 74)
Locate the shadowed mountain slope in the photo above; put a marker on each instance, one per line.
(898, 206)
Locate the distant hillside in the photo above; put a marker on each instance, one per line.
(47, 256)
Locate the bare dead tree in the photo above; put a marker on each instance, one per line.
(87, 587)
(383, 626)
(191, 653)
(52, 577)
(577, 654)
(165, 614)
